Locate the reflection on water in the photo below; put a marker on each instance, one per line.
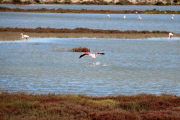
(95, 7)
(44, 65)
(92, 21)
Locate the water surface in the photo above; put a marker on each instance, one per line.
(149, 22)
(129, 67)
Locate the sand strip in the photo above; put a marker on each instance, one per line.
(7, 36)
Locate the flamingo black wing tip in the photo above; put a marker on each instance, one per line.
(81, 55)
(102, 53)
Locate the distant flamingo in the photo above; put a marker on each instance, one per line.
(139, 17)
(124, 16)
(108, 16)
(25, 36)
(172, 16)
(170, 35)
(91, 55)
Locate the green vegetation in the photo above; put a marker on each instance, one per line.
(37, 1)
(168, 3)
(84, 3)
(67, 1)
(69, 107)
(159, 3)
(17, 2)
(56, 2)
(175, 1)
(119, 3)
(106, 3)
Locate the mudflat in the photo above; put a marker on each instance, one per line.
(10, 36)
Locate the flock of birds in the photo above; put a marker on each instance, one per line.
(26, 37)
(172, 16)
(139, 17)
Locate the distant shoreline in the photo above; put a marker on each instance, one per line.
(85, 11)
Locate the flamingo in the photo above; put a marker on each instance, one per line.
(25, 36)
(139, 17)
(91, 55)
(170, 35)
(124, 16)
(173, 15)
(108, 16)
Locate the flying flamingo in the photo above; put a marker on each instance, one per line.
(139, 17)
(124, 16)
(170, 35)
(91, 55)
(25, 36)
(108, 16)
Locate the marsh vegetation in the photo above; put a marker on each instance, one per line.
(72, 106)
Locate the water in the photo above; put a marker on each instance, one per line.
(129, 67)
(149, 22)
(95, 7)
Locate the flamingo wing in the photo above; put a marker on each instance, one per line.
(101, 53)
(83, 55)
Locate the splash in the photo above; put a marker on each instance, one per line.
(97, 63)
(104, 65)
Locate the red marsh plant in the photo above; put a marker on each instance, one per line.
(80, 49)
(70, 106)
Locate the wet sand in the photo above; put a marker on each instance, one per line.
(10, 36)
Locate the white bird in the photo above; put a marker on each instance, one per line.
(170, 35)
(173, 15)
(24, 36)
(91, 55)
(108, 16)
(124, 16)
(139, 17)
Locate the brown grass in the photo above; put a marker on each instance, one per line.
(66, 106)
(76, 30)
(80, 49)
(85, 11)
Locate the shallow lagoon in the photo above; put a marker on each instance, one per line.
(44, 65)
(149, 22)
